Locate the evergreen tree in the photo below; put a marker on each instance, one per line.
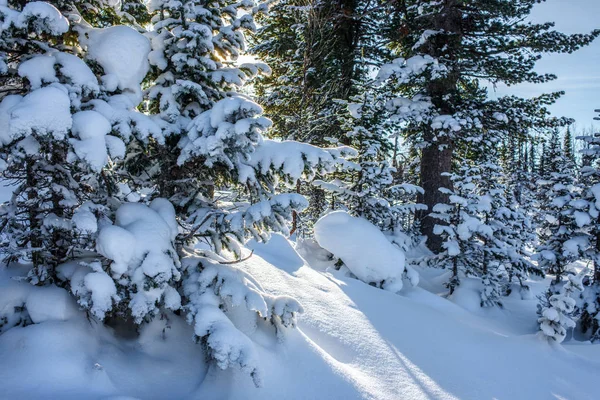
(589, 213)
(371, 189)
(557, 311)
(510, 233)
(209, 131)
(561, 238)
(446, 48)
(485, 236)
(90, 212)
(320, 53)
(54, 148)
(568, 145)
(460, 226)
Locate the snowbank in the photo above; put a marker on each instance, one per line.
(353, 342)
(364, 250)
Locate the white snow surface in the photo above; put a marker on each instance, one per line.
(354, 341)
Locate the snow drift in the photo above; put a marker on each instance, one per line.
(353, 342)
(364, 250)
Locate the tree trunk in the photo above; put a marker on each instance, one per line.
(436, 158)
(434, 162)
(596, 260)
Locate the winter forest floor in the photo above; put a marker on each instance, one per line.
(353, 341)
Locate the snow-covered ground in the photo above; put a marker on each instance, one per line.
(353, 341)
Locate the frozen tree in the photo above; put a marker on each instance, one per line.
(212, 138)
(88, 212)
(320, 53)
(561, 238)
(557, 311)
(55, 149)
(199, 178)
(511, 232)
(483, 235)
(371, 188)
(446, 49)
(461, 223)
(568, 146)
(589, 211)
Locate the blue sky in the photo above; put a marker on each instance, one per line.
(578, 73)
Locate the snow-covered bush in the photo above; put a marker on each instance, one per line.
(365, 250)
(141, 276)
(216, 296)
(557, 311)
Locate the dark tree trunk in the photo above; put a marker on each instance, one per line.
(436, 158)
(596, 261)
(434, 162)
(347, 32)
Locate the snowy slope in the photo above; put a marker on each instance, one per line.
(354, 341)
(416, 346)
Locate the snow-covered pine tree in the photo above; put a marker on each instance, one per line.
(557, 310)
(461, 223)
(198, 179)
(54, 148)
(495, 215)
(320, 52)
(212, 137)
(590, 176)
(562, 240)
(483, 238)
(568, 145)
(84, 220)
(511, 232)
(447, 48)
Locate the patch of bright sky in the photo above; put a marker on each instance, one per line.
(578, 73)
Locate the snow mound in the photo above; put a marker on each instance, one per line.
(50, 303)
(364, 249)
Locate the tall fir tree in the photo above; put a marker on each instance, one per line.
(568, 145)
(320, 53)
(561, 239)
(446, 48)
(589, 213)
